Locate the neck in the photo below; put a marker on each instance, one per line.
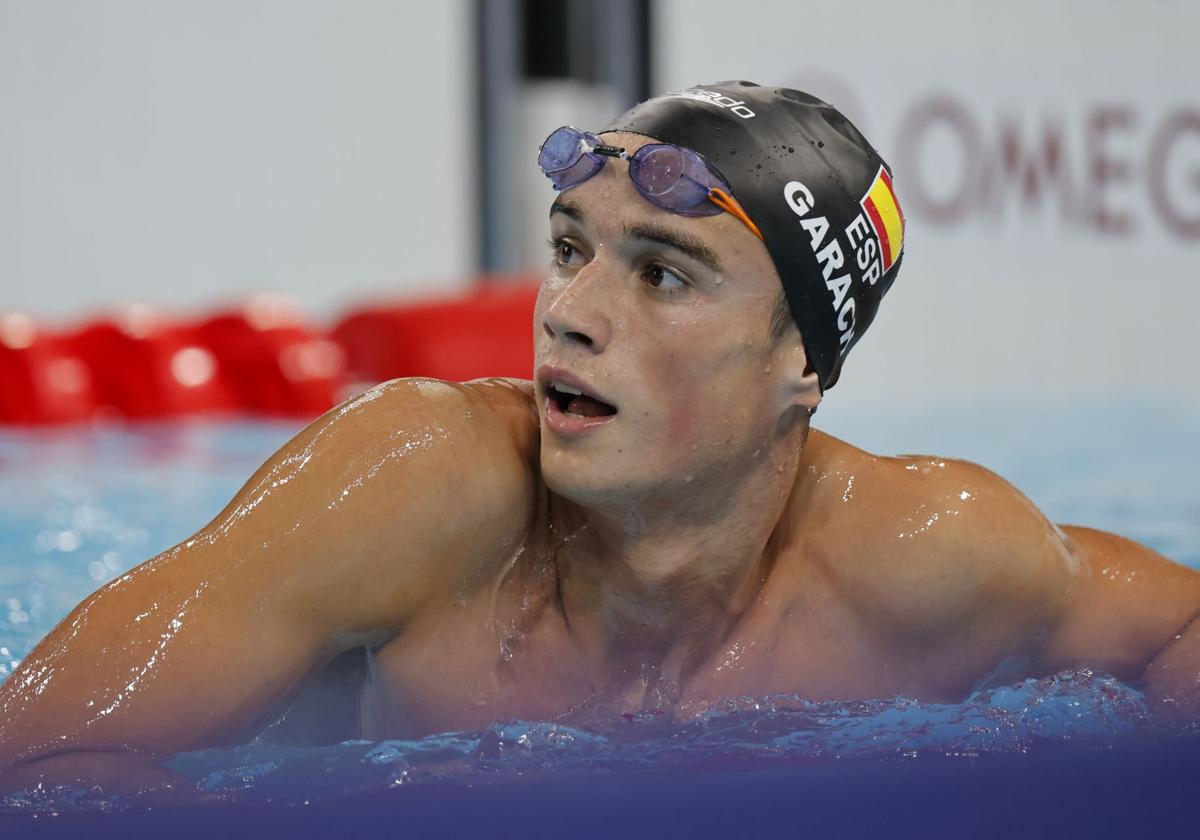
(651, 586)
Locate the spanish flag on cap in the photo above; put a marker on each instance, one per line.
(883, 210)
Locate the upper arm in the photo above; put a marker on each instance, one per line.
(1056, 597)
(969, 579)
(1123, 605)
(335, 541)
(1067, 596)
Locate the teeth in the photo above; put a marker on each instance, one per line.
(566, 389)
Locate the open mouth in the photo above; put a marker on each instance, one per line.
(574, 402)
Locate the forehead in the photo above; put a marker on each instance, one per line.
(610, 207)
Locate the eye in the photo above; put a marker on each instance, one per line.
(564, 253)
(664, 279)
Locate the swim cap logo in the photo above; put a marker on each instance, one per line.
(737, 106)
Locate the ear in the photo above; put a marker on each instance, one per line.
(800, 385)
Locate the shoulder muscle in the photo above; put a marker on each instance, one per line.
(950, 549)
(400, 495)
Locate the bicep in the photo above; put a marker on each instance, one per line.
(161, 659)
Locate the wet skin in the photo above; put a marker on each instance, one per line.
(434, 556)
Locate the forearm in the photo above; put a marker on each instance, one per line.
(121, 773)
(1172, 680)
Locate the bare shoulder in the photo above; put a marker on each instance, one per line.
(949, 557)
(486, 411)
(931, 545)
(463, 454)
(485, 429)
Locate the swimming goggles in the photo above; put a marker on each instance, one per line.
(668, 176)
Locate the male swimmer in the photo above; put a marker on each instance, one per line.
(649, 524)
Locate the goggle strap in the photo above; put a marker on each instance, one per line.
(727, 203)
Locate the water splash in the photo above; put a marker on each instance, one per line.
(1074, 707)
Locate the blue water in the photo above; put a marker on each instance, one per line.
(80, 506)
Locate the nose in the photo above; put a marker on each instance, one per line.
(578, 313)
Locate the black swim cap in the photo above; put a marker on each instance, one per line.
(815, 187)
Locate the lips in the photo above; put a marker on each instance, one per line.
(572, 405)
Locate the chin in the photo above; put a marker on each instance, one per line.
(611, 480)
(585, 479)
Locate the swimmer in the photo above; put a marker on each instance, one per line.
(649, 524)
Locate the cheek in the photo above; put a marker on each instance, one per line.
(684, 415)
(706, 395)
(689, 394)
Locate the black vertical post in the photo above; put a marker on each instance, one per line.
(622, 33)
(599, 42)
(498, 49)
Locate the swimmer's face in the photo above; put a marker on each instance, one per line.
(667, 318)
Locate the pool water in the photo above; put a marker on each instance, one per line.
(79, 506)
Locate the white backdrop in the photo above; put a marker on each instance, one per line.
(191, 151)
(1047, 156)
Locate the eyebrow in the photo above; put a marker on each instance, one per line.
(567, 207)
(690, 246)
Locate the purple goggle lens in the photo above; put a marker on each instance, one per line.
(670, 177)
(567, 157)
